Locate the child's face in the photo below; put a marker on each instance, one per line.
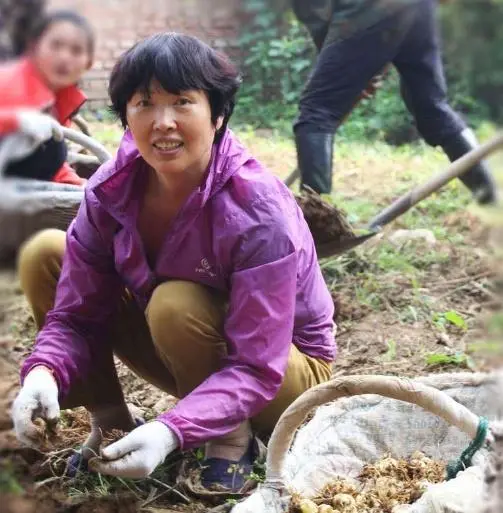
(174, 133)
(62, 54)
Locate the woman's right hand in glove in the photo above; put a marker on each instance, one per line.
(38, 398)
(40, 127)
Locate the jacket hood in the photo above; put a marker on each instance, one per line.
(114, 183)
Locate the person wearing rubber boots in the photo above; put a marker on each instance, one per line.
(356, 39)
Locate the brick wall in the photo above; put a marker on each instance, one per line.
(119, 23)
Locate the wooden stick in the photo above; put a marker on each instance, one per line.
(456, 169)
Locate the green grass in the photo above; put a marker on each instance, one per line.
(9, 483)
(385, 277)
(491, 344)
(373, 273)
(109, 136)
(492, 347)
(88, 485)
(390, 353)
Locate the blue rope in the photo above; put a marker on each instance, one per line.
(465, 460)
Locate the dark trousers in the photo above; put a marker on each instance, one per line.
(42, 164)
(410, 40)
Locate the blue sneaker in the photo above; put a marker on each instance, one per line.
(231, 475)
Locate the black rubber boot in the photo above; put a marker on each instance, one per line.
(478, 179)
(314, 159)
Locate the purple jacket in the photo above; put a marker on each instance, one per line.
(242, 232)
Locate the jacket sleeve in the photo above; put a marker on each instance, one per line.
(258, 330)
(86, 295)
(66, 174)
(8, 121)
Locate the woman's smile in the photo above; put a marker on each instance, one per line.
(167, 147)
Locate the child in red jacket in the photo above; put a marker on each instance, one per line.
(38, 93)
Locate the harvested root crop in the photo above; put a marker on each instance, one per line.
(72, 430)
(382, 486)
(45, 435)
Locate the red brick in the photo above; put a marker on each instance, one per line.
(120, 23)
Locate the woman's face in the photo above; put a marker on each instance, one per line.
(62, 54)
(173, 132)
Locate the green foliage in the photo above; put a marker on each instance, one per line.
(473, 50)
(454, 318)
(491, 344)
(8, 480)
(258, 473)
(383, 117)
(496, 324)
(278, 57)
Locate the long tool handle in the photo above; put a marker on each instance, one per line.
(457, 168)
(89, 143)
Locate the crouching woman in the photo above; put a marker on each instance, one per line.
(188, 261)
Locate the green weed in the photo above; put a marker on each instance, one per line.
(390, 354)
(443, 321)
(459, 359)
(8, 480)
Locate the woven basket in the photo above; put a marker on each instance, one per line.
(28, 206)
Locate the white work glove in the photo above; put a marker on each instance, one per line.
(137, 455)
(39, 127)
(38, 398)
(15, 147)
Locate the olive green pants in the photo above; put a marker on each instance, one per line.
(175, 344)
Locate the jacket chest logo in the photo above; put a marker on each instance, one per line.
(205, 268)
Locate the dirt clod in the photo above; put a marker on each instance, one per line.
(326, 222)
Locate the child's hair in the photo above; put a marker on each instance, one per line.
(53, 17)
(19, 19)
(179, 63)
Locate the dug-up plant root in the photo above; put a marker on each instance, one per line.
(382, 486)
(47, 435)
(106, 439)
(58, 442)
(71, 430)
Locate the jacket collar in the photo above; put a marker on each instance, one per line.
(118, 182)
(32, 91)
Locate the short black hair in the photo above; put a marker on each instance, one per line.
(178, 62)
(52, 17)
